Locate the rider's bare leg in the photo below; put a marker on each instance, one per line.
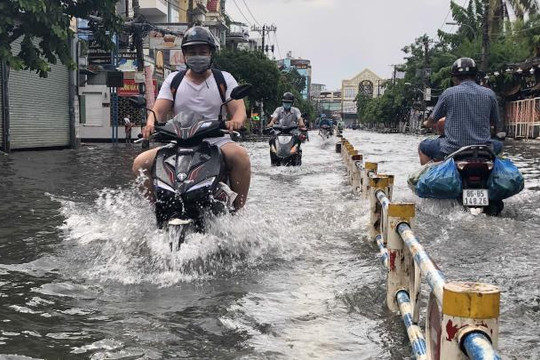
(237, 160)
(143, 164)
(424, 159)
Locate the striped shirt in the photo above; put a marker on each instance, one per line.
(470, 109)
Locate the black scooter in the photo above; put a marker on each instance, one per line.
(475, 163)
(189, 175)
(285, 147)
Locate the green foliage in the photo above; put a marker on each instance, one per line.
(268, 82)
(44, 29)
(510, 42)
(251, 67)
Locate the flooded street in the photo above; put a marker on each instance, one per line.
(86, 274)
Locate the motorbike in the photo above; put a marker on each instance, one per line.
(189, 174)
(325, 131)
(285, 146)
(474, 164)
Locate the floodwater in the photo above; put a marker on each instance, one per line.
(85, 273)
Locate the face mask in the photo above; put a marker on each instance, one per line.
(199, 64)
(287, 106)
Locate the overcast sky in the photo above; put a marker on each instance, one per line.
(343, 37)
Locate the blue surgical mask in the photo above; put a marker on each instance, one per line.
(287, 106)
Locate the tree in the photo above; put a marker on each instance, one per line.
(43, 27)
(250, 67)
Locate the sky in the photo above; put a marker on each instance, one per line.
(343, 37)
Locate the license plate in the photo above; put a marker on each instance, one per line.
(475, 197)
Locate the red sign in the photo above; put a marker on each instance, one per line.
(131, 88)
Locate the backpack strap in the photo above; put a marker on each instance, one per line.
(175, 83)
(221, 83)
(218, 75)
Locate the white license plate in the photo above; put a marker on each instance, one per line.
(475, 197)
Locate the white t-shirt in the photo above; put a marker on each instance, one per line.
(203, 99)
(287, 118)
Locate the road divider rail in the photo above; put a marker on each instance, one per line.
(462, 318)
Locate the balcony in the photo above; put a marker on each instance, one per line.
(153, 8)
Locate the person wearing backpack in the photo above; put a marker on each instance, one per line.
(201, 89)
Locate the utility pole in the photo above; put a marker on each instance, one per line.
(138, 42)
(264, 30)
(485, 36)
(190, 13)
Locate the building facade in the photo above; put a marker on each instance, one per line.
(36, 112)
(103, 108)
(303, 66)
(367, 83)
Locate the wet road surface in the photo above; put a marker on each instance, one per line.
(85, 273)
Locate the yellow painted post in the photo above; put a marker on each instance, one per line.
(350, 165)
(390, 191)
(339, 144)
(401, 274)
(368, 167)
(468, 307)
(356, 173)
(375, 183)
(348, 147)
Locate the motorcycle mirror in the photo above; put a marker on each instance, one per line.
(240, 91)
(138, 100)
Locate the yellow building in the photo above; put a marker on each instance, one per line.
(366, 82)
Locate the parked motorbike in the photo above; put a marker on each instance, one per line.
(475, 163)
(189, 175)
(285, 146)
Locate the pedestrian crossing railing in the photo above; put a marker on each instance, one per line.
(462, 318)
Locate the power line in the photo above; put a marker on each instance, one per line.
(241, 13)
(277, 45)
(450, 10)
(247, 7)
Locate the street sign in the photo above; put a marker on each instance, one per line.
(427, 94)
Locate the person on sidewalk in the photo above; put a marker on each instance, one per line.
(128, 125)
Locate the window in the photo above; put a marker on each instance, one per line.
(366, 88)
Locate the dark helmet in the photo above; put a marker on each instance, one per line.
(198, 35)
(287, 97)
(464, 66)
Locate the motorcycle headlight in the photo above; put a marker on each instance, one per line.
(204, 183)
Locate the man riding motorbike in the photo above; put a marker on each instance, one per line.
(287, 115)
(199, 92)
(469, 109)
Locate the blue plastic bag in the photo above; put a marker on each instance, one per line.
(505, 180)
(440, 182)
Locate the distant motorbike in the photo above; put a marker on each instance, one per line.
(285, 146)
(325, 131)
(475, 163)
(189, 175)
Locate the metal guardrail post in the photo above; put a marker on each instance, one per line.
(355, 172)
(350, 162)
(478, 347)
(414, 332)
(338, 147)
(375, 208)
(390, 191)
(369, 167)
(401, 267)
(469, 308)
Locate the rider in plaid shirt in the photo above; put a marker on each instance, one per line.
(469, 111)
